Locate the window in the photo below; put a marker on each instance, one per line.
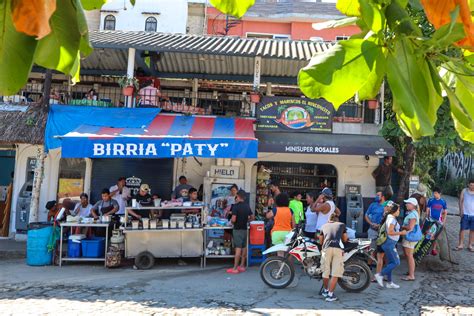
(266, 35)
(150, 24)
(342, 38)
(109, 23)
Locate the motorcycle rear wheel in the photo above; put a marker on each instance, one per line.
(360, 274)
(271, 274)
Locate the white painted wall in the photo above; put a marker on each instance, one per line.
(48, 186)
(172, 17)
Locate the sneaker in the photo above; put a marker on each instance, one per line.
(379, 279)
(325, 293)
(331, 298)
(392, 285)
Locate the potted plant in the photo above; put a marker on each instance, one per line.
(373, 104)
(128, 85)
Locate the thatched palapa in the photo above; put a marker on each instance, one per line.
(27, 127)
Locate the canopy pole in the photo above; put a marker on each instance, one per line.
(194, 95)
(130, 74)
(256, 79)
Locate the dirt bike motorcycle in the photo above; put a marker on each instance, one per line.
(278, 271)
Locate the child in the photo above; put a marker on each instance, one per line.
(436, 209)
(297, 206)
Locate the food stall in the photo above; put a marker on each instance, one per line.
(168, 136)
(179, 236)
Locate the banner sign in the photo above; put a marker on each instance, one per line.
(80, 147)
(294, 114)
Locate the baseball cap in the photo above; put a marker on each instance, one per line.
(327, 192)
(145, 187)
(412, 201)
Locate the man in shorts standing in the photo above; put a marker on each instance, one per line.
(241, 215)
(333, 234)
(466, 211)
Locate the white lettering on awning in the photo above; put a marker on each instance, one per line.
(311, 149)
(143, 150)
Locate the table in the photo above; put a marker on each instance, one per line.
(93, 225)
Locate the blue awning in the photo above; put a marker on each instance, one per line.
(66, 118)
(166, 136)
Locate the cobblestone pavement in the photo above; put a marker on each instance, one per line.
(80, 289)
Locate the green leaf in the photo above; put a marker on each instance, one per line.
(416, 4)
(84, 46)
(462, 110)
(16, 53)
(447, 34)
(132, 2)
(415, 89)
(334, 23)
(93, 4)
(346, 68)
(372, 15)
(235, 8)
(76, 69)
(349, 7)
(399, 19)
(58, 50)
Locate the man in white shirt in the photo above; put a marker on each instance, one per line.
(121, 194)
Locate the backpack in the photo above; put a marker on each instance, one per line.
(382, 235)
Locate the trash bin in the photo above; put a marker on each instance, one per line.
(37, 253)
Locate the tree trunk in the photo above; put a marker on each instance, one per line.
(40, 156)
(409, 163)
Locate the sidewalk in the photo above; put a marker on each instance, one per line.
(12, 249)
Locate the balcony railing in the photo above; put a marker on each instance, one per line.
(170, 100)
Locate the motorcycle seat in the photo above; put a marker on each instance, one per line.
(349, 246)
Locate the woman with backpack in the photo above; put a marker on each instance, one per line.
(411, 224)
(389, 235)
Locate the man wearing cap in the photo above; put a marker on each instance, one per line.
(325, 207)
(409, 223)
(121, 194)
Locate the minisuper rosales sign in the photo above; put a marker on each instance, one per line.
(294, 114)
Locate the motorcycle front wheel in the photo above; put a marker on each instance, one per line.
(277, 272)
(356, 276)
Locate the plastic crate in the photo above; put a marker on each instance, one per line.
(215, 233)
(93, 248)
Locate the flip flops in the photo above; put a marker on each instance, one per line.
(407, 279)
(232, 271)
(458, 248)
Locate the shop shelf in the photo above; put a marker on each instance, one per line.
(219, 256)
(83, 259)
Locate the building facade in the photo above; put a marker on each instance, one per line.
(281, 20)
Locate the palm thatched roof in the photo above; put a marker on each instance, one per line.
(17, 127)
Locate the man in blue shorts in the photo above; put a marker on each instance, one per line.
(466, 212)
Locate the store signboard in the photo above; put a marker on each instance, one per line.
(225, 172)
(294, 114)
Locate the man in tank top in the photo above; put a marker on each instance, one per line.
(466, 212)
(325, 208)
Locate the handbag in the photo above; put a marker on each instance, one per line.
(415, 234)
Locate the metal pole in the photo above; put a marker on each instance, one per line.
(256, 79)
(130, 73)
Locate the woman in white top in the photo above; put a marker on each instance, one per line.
(311, 217)
(325, 207)
(392, 228)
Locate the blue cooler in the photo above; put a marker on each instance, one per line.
(74, 246)
(37, 253)
(93, 248)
